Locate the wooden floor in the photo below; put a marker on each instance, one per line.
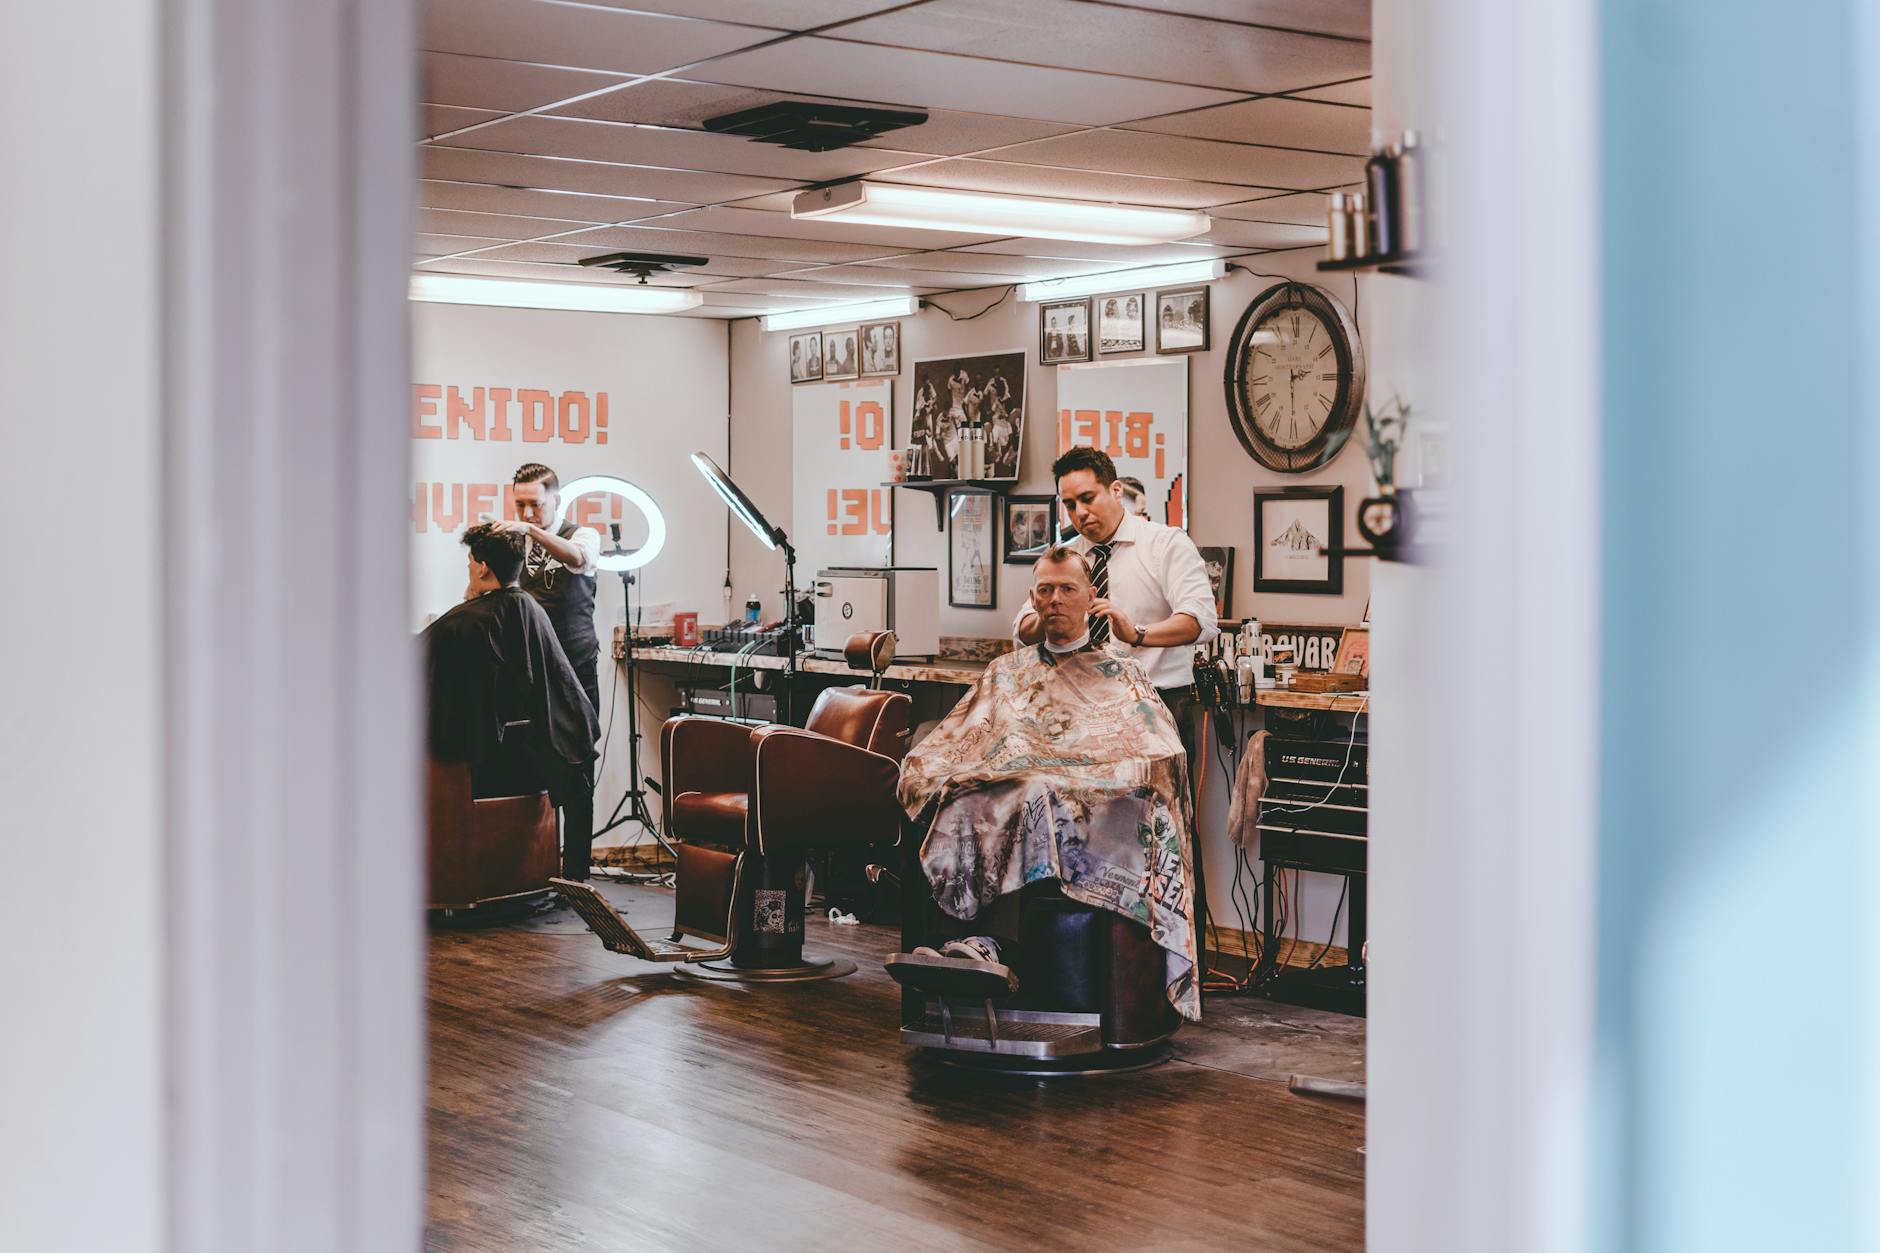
(581, 1100)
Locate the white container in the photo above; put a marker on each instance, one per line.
(902, 599)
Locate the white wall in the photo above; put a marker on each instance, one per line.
(1221, 485)
(81, 1054)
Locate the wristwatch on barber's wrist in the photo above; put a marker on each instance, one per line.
(1142, 633)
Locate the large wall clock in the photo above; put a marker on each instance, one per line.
(1295, 378)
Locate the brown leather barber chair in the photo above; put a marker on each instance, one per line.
(745, 806)
(488, 851)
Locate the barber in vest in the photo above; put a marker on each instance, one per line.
(1152, 601)
(560, 575)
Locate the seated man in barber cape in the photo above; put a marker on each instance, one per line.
(1062, 763)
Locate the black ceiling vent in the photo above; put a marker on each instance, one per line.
(644, 264)
(810, 126)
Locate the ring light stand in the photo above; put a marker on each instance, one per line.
(773, 538)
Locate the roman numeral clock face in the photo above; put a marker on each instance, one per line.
(1295, 378)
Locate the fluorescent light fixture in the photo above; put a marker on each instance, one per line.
(941, 209)
(861, 311)
(453, 289)
(1118, 280)
(608, 485)
(742, 505)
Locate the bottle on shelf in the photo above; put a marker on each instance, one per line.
(1338, 227)
(1408, 152)
(1380, 185)
(1360, 227)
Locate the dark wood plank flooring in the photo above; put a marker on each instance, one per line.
(584, 1101)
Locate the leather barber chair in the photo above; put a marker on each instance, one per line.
(746, 805)
(488, 851)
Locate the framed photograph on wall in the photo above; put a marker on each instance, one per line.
(972, 549)
(1030, 528)
(1063, 331)
(1220, 564)
(1119, 323)
(1181, 319)
(986, 390)
(1299, 541)
(881, 349)
(841, 359)
(1354, 652)
(806, 357)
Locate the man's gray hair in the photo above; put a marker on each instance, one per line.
(1059, 553)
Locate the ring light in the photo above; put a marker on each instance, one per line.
(635, 496)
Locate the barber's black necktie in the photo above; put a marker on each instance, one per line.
(1100, 585)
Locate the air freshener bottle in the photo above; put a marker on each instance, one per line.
(1380, 183)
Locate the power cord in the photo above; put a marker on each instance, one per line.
(1003, 297)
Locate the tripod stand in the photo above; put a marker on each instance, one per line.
(634, 799)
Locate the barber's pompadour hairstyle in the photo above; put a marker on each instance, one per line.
(1057, 554)
(1085, 457)
(536, 472)
(502, 551)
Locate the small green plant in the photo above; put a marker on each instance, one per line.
(1383, 436)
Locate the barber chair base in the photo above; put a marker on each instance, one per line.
(1035, 1043)
(809, 970)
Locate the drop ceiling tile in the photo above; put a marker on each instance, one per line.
(1348, 18)
(852, 282)
(905, 279)
(491, 225)
(713, 244)
(1137, 254)
(982, 263)
(528, 202)
(679, 103)
(1264, 234)
(796, 15)
(505, 86)
(1167, 47)
(744, 220)
(578, 36)
(437, 119)
(432, 245)
(1276, 120)
(1172, 156)
(807, 293)
(471, 165)
(571, 254)
(675, 149)
(935, 80)
(1014, 179)
(1306, 209)
(549, 272)
(1358, 93)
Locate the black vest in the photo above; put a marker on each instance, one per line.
(568, 599)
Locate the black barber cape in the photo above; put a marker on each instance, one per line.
(493, 662)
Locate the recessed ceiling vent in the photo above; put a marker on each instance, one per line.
(811, 126)
(644, 264)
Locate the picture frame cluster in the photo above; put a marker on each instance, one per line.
(870, 350)
(1180, 315)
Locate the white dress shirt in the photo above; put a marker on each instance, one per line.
(1154, 571)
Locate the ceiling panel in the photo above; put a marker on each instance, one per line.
(1176, 157)
(491, 225)
(432, 245)
(1305, 210)
(1264, 234)
(471, 165)
(936, 80)
(527, 202)
(1126, 41)
(675, 149)
(991, 263)
(1358, 93)
(884, 276)
(1349, 18)
(437, 119)
(746, 220)
(559, 253)
(1276, 120)
(704, 243)
(796, 15)
(1034, 180)
(577, 36)
(1141, 254)
(480, 264)
(506, 86)
(801, 292)
(679, 103)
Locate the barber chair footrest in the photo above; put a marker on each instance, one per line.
(957, 978)
(1011, 1033)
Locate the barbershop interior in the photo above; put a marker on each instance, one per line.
(943, 624)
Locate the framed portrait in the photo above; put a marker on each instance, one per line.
(1354, 652)
(1299, 540)
(841, 358)
(1181, 319)
(806, 357)
(1120, 322)
(972, 549)
(986, 391)
(1030, 528)
(1220, 564)
(1063, 331)
(881, 349)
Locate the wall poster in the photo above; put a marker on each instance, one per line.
(841, 434)
(985, 392)
(1136, 411)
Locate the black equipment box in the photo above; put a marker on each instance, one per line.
(716, 702)
(1315, 816)
(735, 639)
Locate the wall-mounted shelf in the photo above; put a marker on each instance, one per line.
(1409, 264)
(938, 489)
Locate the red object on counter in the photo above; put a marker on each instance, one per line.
(685, 629)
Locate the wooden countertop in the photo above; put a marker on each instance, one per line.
(960, 674)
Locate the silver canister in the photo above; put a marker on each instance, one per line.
(1410, 188)
(1338, 227)
(1360, 225)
